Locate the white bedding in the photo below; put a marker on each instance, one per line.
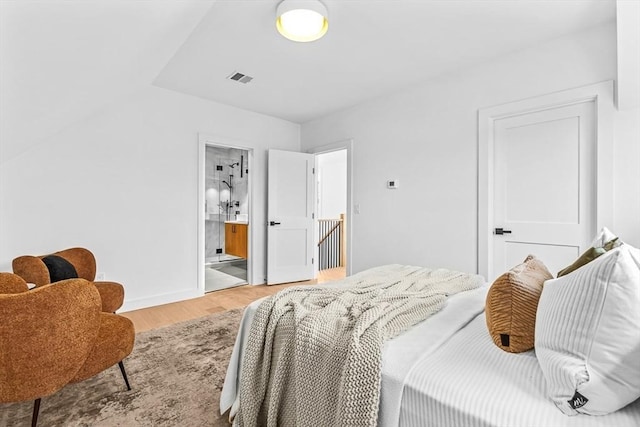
(399, 354)
(471, 382)
(446, 371)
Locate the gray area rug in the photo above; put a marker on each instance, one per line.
(176, 375)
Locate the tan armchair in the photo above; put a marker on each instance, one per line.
(54, 335)
(34, 269)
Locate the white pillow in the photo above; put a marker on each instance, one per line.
(587, 336)
(605, 236)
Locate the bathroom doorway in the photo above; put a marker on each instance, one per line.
(226, 216)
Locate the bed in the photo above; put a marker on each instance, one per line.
(446, 371)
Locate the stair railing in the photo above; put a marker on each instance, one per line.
(331, 245)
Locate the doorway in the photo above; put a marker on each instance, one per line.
(331, 223)
(292, 226)
(345, 184)
(226, 216)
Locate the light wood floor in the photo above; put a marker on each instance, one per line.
(214, 302)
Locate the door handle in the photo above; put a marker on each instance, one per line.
(501, 231)
(272, 223)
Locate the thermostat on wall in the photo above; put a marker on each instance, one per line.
(394, 183)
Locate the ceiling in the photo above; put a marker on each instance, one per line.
(373, 47)
(63, 60)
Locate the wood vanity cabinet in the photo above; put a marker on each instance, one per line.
(235, 239)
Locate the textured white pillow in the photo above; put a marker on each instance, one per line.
(587, 336)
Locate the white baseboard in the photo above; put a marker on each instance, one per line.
(151, 301)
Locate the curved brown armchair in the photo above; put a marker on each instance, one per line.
(34, 269)
(54, 335)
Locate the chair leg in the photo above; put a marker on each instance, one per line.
(36, 411)
(124, 374)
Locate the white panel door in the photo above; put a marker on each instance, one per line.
(290, 217)
(544, 186)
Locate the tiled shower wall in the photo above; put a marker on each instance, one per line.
(217, 194)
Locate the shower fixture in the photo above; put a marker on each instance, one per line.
(228, 185)
(233, 165)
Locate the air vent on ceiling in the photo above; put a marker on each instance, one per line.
(239, 77)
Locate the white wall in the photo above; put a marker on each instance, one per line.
(124, 184)
(628, 82)
(332, 184)
(427, 138)
(627, 176)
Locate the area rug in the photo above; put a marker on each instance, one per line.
(176, 375)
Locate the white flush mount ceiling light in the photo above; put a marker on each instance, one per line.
(302, 20)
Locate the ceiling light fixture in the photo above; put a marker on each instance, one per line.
(302, 20)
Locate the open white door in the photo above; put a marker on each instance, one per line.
(290, 248)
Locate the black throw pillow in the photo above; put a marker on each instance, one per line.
(59, 268)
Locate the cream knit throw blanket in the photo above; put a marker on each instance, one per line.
(314, 354)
